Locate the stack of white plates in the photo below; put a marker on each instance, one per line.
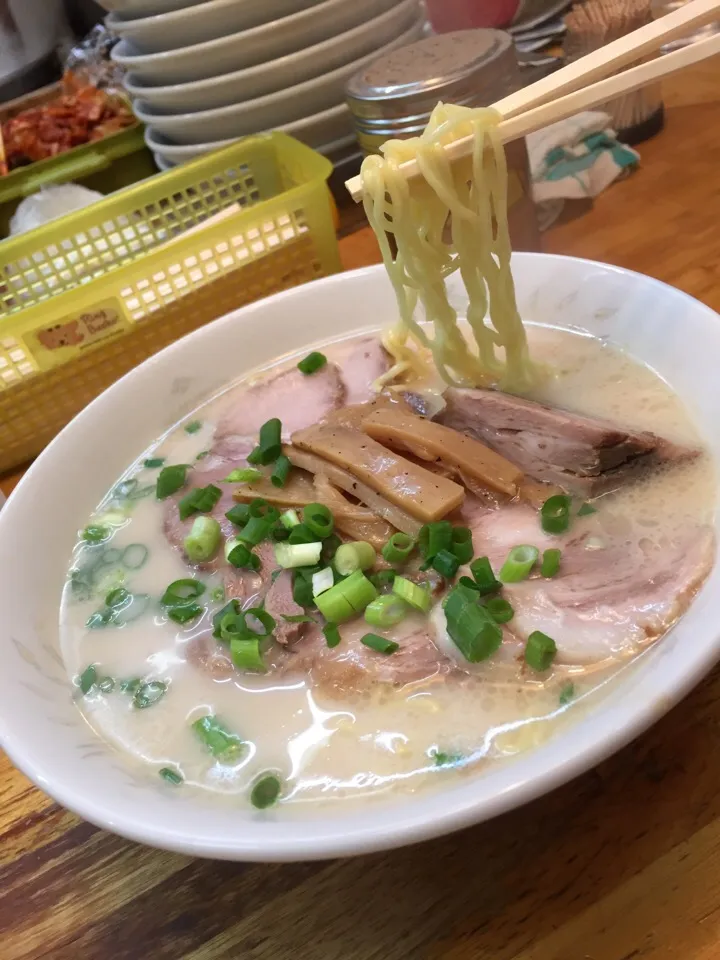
(202, 74)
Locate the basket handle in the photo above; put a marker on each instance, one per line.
(83, 166)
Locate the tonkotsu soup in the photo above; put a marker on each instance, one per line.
(383, 591)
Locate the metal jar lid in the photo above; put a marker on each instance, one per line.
(394, 95)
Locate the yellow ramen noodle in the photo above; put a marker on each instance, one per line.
(470, 200)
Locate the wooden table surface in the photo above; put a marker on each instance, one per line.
(621, 864)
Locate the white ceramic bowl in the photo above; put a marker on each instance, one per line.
(400, 25)
(46, 736)
(315, 130)
(204, 21)
(264, 113)
(249, 47)
(145, 8)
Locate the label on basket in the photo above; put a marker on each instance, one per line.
(59, 342)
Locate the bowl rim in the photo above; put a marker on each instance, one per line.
(115, 17)
(248, 36)
(140, 92)
(466, 805)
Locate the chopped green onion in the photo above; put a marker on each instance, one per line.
(586, 509)
(499, 609)
(106, 685)
(312, 363)
(280, 472)
(240, 556)
(266, 791)
(255, 531)
(172, 776)
(170, 480)
(383, 579)
(142, 492)
(550, 563)
(318, 518)
(519, 563)
(239, 514)
(149, 693)
(202, 455)
(330, 548)
(302, 589)
(139, 602)
(119, 597)
(232, 607)
(223, 744)
(540, 651)
(398, 548)
(302, 534)
(255, 456)
(445, 563)
(233, 624)
(218, 594)
(566, 694)
(130, 686)
(484, 577)
(203, 540)
(555, 514)
(263, 510)
(87, 679)
(184, 612)
(381, 644)
(446, 759)
(289, 555)
(193, 426)
(297, 618)
(200, 500)
(96, 533)
(101, 618)
(180, 591)
(134, 556)
(246, 654)
(346, 599)
(290, 519)
(270, 444)
(243, 475)
(434, 537)
(332, 634)
(417, 595)
(462, 545)
(153, 463)
(322, 581)
(349, 557)
(386, 611)
(470, 626)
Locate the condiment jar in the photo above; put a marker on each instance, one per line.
(393, 97)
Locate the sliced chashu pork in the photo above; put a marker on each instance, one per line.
(616, 589)
(583, 455)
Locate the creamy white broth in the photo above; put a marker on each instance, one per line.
(390, 739)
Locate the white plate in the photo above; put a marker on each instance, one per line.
(295, 68)
(204, 21)
(315, 130)
(47, 737)
(145, 8)
(249, 47)
(264, 113)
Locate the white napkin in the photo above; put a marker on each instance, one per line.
(575, 159)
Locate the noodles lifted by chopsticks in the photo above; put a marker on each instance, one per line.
(471, 202)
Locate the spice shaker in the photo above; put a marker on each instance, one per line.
(393, 97)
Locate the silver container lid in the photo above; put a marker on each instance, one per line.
(397, 92)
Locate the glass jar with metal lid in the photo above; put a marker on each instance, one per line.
(393, 97)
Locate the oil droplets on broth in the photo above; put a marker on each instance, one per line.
(154, 678)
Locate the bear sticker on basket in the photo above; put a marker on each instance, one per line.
(52, 344)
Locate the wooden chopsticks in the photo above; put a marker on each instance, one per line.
(587, 82)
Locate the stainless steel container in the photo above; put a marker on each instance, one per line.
(393, 97)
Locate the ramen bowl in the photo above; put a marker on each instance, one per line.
(48, 738)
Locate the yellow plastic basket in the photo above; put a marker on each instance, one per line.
(89, 296)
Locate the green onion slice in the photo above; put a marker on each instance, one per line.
(470, 626)
(499, 609)
(149, 693)
(224, 745)
(461, 544)
(240, 556)
(134, 556)
(172, 776)
(193, 426)
(434, 537)
(239, 514)
(519, 563)
(281, 471)
(555, 514)
(484, 577)
(381, 644)
(118, 598)
(567, 693)
(312, 363)
(346, 599)
(96, 533)
(243, 475)
(550, 563)
(586, 509)
(266, 791)
(153, 463)
(332, 634)
(170, 480)
(415, 594)
(246, 654)
(540, 651)
(398, 548)
(290, 555)
(445, 563)
(290, 519)
(202, 542)
(180, 591)
(184, 612)
(386, 611)
(318, 518)
(87, 679)
(358, 555)
(200, 500)
(269, 446)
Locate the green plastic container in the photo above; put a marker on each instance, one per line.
(104, 165)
